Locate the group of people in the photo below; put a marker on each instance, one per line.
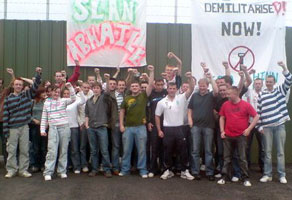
(161, 126)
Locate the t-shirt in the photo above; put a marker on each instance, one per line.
(236, 117)
(153, 99)
(202, 107)
(172, 110)
(135, 109)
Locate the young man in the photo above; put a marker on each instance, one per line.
(17, 115)
(155, 142)
(202, 123)
(133, 111)
(273, 112)
(85, 87)
(174, 140)
(252, 97)
(98, 116)
(61, 79)
(234, 128)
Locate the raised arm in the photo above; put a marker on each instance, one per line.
(31, 92)
(75, 76)
(288, 79)
(227, 68)
(129, 78)
(178, 60)
(117, 72)
(191, 84)
(151, 80)
(11, 72)
(72, 98)
(248, 80)
(213, 84)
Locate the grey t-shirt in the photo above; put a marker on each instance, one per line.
(202, 107)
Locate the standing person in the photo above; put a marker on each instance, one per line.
(132, 125)
(174, 140)
(85, 87)
(72, 112)
(202, 123)
(118, 95)
(235, 128)
(54, 115)
(155, 141)
(17, 115)
(99, 117)
(272, 108)
(252, 97)
(39, 143)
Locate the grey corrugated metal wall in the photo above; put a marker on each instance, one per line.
(27, 44)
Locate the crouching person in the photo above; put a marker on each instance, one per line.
(55, 117)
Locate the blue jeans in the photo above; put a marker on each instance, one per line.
(75, 146)
(83, 147)
(278, 134)
(116, 137)
(197, 134)
(139, 135)
(98, 140)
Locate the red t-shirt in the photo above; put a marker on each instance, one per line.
(236, 117)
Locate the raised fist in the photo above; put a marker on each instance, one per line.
(150, 68)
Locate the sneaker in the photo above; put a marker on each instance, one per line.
(10, 175)
(186, 175)
(25, 174)
(203, 168)
(63, 176)
(122, 174)
(48, 178)
(92, 173)
(283, 180)
(167, 174)
(247, 183)
(151, 175)
(221, 181)
(85, 169)
(144, 176)
(218, 175)
(76, 171)
(211, 178)
(108, 174)
(235, 179)
(265, 179)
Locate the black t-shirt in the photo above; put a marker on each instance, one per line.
(153, 99)
(202, 107)
(243, 91)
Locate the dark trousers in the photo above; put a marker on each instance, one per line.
(261, 154)
(38, 146)
(230, 144)
(174, 142)
(4, 140)
(156, 151)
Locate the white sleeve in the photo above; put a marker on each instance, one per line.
(159, 108)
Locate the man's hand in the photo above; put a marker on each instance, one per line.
(246, 132)
(252, 71)
(164, 75)
(106, 76)
(225, 64)
(150, 126)
(78, 89)
(68, 85)
(170, 55)
(10, 71)
(37, 122)
(188, 74)
(241, 74)
(208, 76)
(243, 68)
(223, 135)
(64, 73)
(122, 128)
(38, 70)
(44, 134)
(77, 62)
(281, 64)
(160, 134)
(175, 70)
(96, 70)
(150, 68)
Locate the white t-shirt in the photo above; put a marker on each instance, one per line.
(173, 111)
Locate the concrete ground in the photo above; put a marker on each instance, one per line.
(133, 187)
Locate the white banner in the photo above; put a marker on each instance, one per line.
(250, 32)
(107, 33)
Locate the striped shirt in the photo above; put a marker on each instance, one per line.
(119, 99)
(17, 108)
(54, 111)
(272, 106)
